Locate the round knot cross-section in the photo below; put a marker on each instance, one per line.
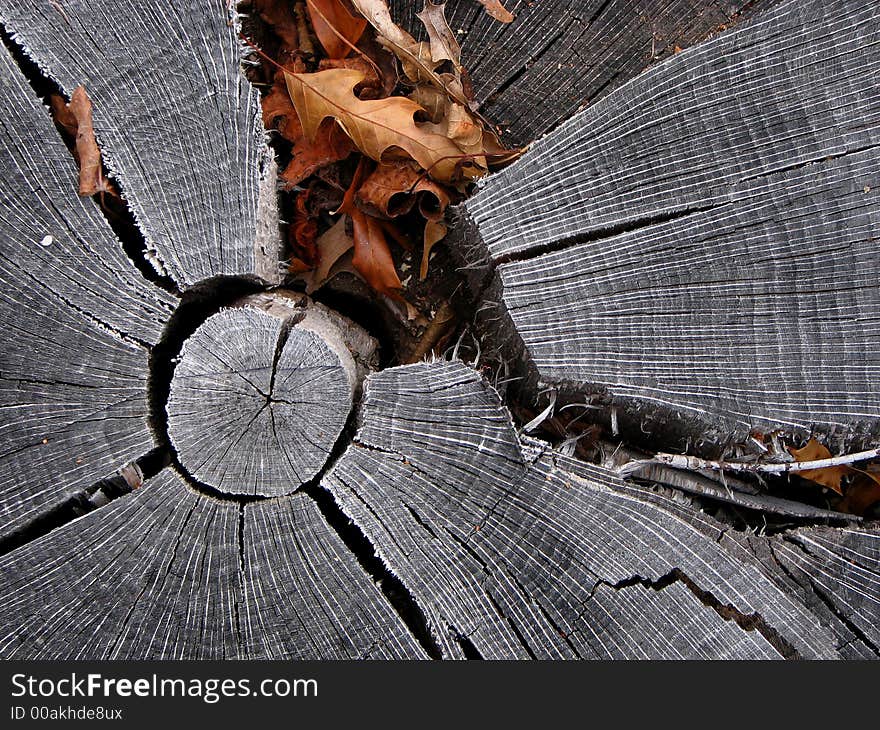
(259, 398)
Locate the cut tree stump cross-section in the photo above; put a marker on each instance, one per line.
(263, 391)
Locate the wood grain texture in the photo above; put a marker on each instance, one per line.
(521, 553)
(704, 237)
(843, 568)
(559, 55)
(76, 322)
(177, 122)
(257, 402)
(166, 573)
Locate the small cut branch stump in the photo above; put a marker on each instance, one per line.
(196, 463)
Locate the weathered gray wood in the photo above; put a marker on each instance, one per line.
(261, 394)
(843, 568)
(166, 573)
(76, 322)
(559, 55)
(177, 123)
(510, 552)
(745, 174)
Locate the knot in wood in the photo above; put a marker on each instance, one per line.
(262, 392)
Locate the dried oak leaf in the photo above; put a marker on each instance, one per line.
(435, 231)
(372, 257)
(829, 476)
(497, 10)
(862, 493)
(376, 126)
(415, 57)
(278, 14)
(393, 189)
(336, 28)
(86, 151)
(333, 244)
(443, 43)
(329, 145)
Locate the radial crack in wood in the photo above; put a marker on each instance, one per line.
(701, 242)
(517, 549)
(76, 322)
(262, 392)
(185, 140)
(167, 573)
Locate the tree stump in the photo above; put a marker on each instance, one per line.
(197, 463)
(262, 393)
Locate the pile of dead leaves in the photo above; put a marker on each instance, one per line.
(383, 132)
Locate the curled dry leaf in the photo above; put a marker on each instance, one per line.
(443, 43)
(863, 493)
(393, 189)
(829, 476)
(372, 257)
(304, 231)
(76, 119)
(497, 10)
(415, 57)
(435, 231)
(332, 245)
(377, 126)
(329, 145)
(336, 28)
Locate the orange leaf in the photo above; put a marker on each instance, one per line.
(392, 189)
(372, 257)
(91, 173)
(330, 145)
(337, 29)
(862, 493)
(497, 10)
(829, 476)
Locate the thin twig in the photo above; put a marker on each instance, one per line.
(681, 461)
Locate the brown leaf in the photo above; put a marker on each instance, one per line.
(337, 29)
(372, 257)
(91, 173)
(444, 45)
(829, 476)
(62, 115)
(392, 190)
(862, 493)
(304, 231)
(329, 145)
(414, 56)
(332, 245)
(497, 10)
(435, 231)
(378, 127)
(278, 111)
(279, 15)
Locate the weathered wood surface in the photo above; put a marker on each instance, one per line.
(168, 573)
(508, 551)
(260, 396)
(704, 237)
(559, 55)
(436, 530)
(177, 123)
(76, 323)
